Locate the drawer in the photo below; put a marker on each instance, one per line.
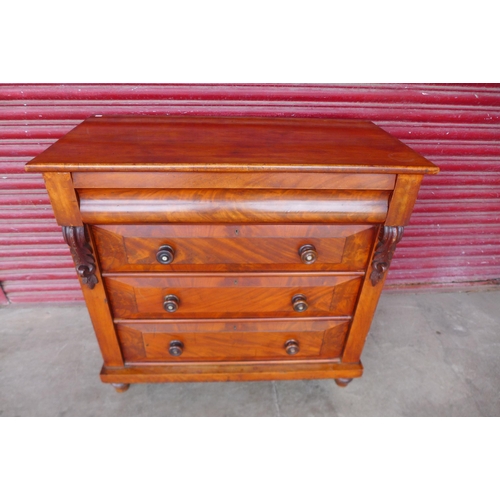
(233, 206)
(232, 295)
(215, 340)
(125, 248)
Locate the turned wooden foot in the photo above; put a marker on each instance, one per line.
(121, 387)
(343, 382)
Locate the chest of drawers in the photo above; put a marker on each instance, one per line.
(217, 249)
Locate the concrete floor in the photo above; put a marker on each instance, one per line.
(427, 355)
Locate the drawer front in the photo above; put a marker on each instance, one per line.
(135, 248)
(232, 206)
(179, 341)
(240, 180)
(232, 295)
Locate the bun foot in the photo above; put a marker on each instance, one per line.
(121, 387)
(343, 382)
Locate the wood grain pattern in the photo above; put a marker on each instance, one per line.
(195, 143)
(230, 372)
(241, 180)
(63, 198)
(232, 340)
(403, 199)
(122, 206)
(232, 295)
(209, 247)
(102, 320)
(363, 315)
(234, 346)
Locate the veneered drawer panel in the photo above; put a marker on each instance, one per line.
(241, 180)
(125, 248)
(136, 206)
(232, 295)
(231, 340)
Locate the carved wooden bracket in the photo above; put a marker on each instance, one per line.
(75, 237)
(390, 236)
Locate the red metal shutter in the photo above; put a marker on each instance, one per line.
(454, 235)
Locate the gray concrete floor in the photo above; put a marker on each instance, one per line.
(432, 354)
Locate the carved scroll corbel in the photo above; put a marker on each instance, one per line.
(82, 254)
(389, 237)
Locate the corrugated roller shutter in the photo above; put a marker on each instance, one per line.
(454, 235)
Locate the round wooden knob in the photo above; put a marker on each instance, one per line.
(165, 254)
(308, 254)
(299, 303)
(171, 303)
(175, 348)
(291, 347)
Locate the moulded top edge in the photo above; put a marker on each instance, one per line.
(152, 167)
(229, 144)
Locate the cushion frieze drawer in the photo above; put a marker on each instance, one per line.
(232, 295)
(232, 340)
(125, 248)
(226, 206)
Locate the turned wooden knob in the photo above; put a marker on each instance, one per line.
(175, 348)
(165, 254)
(299, 303)
(291, 347)
(308, 254)
(171, 303)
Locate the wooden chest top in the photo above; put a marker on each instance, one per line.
(124, 143)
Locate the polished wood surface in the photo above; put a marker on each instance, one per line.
(63, 198)
(100, 314)
(244, 295)
(241, 340)
(65, 202)
(403, 200)
(231, 248)
(240, 180)
(209, 247)
(129, 206)
(144, 373)
(365, 309)
(190, 143)
(231, 339)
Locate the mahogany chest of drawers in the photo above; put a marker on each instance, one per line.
(216, 249)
